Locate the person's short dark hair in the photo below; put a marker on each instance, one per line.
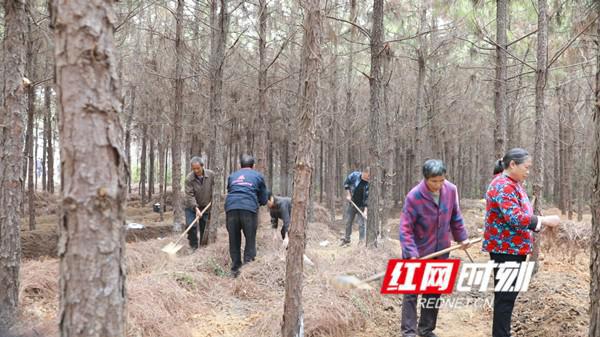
(498, 167)
(246, 160)
(517, 154)
(433, 168)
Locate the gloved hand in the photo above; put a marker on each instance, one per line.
(285, 242)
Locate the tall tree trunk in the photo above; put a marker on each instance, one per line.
(270, 163)
(128, 137)
(151, 169)
(30, 73)
(35, 157)
(419, 125)
(349, 104)
(30, 158)
(220, 29)
(595, 205)
(500, 84)
(50, 145)
(333, 144)
(92, 239)
(321, 169)
(540, 108)
(47, 115)
(389, 173)
(30, 155)
(570, 139)
(373, 220)
(262, 115)
(582, 178)
(293, 314)
(284, 173)
(166, 171)
(178, 121)
(44, 146)
(161, 171)
(12, 139)
(562, 205)
(556, 164)
(143, 156)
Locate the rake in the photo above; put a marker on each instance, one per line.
(173, 247)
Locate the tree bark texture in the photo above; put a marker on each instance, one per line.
(500, 84)
(92, 221)
(540, 108)
(293, 315)
(12, 139)
(375, 147)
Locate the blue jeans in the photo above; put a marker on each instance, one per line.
(190, 215)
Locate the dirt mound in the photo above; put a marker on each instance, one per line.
(38, 243)
(321, 214)
(557, 302)
(44, 202)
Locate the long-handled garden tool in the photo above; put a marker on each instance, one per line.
(173, 247)
(358, 209)
(353, 281)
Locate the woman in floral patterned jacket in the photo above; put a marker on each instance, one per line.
(509, 227)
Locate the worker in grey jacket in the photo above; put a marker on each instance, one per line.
(280, 208)
(198, 194)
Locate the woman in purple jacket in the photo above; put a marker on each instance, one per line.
(509, 223)
(430, 213)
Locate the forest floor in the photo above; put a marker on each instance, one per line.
(192, 294)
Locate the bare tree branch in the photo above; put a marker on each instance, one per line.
(283, 45)
(565, 47)
(361, 29)
(492, 42)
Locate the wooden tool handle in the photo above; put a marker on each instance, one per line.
(193, 222)
(426, 257)
(447, 250)
(358, 209)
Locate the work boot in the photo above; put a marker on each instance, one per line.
(431, 334)
(235, 273)
(344, 242)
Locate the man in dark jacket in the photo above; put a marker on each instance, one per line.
(357, 189)
(280, 208)
(246, 192)
(198, 194)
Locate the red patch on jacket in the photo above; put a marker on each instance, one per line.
(517, 240)
(524, 250)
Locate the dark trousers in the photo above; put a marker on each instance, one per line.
(504, 302)
(239, 221)
(352, 213)
(427, 321)
(190, 215)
